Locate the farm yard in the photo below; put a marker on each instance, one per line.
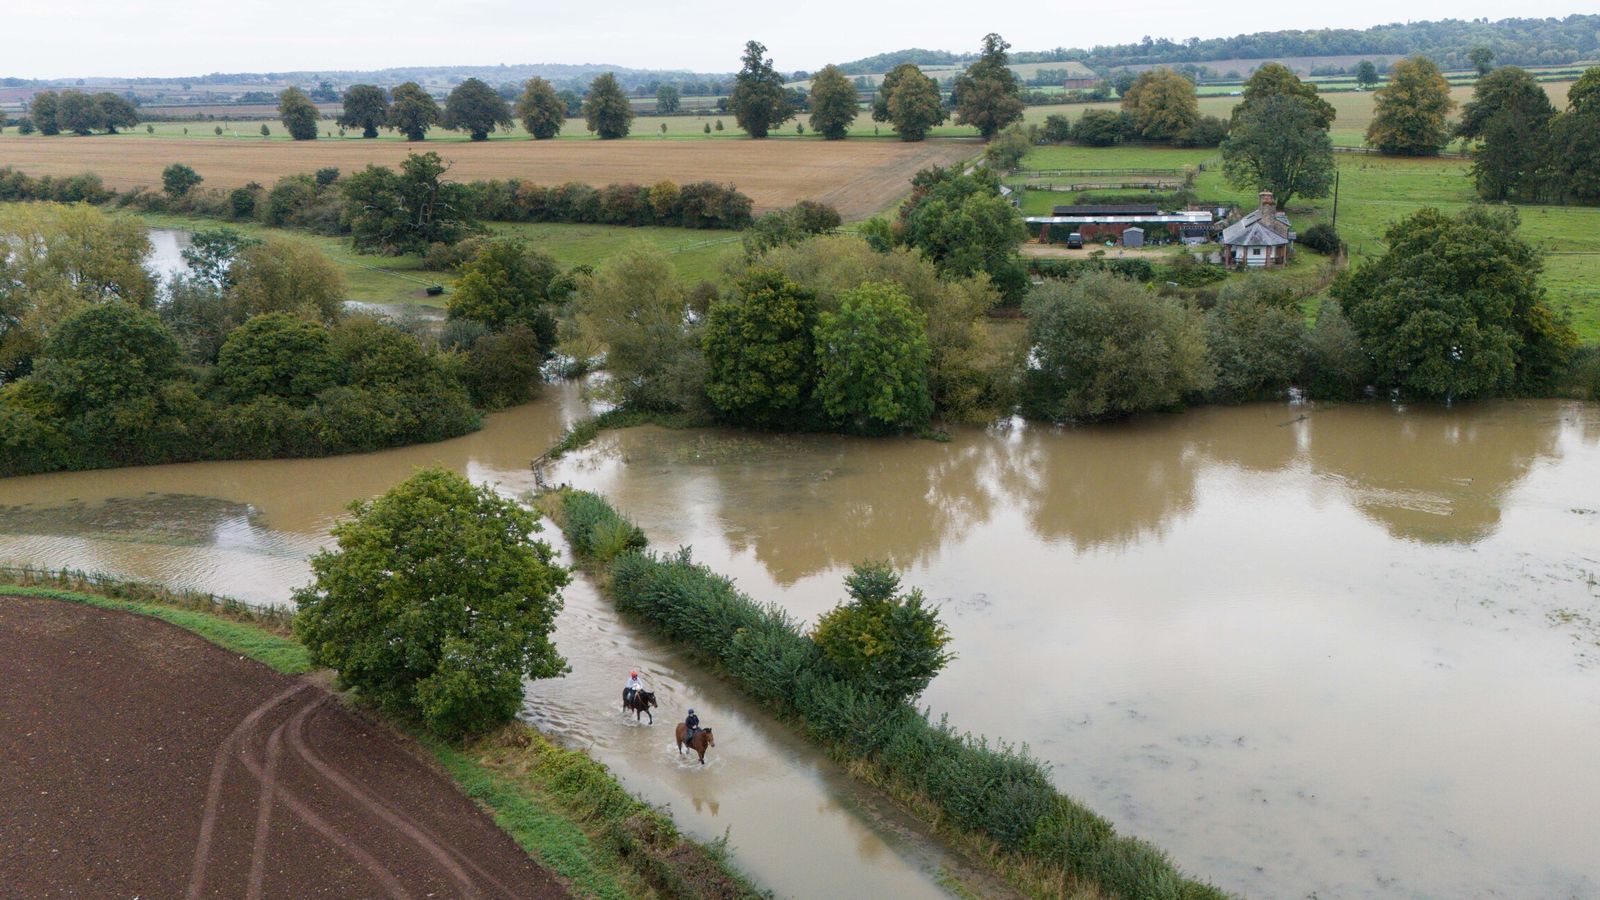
(858, 178)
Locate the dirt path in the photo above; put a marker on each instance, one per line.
(136, 759)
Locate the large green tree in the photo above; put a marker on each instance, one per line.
(509, 283)
(1103, 347)
(833, 103)
(668, 99)
(412, 111)
(1278, 80)
(44, 110)
(541, 111)
(1161, 105)
(437, 602)
(286, 275)
(298, 114)
(1411, 115)
(963, 224)
(872, 360)
(637, 308)
(106, 355)
(475, 108)
(405, 211)
(1509, 116)
(1574, 169)
(1279, 145)
(366, 106)
(1454, 308)
(909, 100)
(77, 112)
(1366, 74)
(988, 95)
(113, 112)
(606, 108)
(276, 355)
(760, 358)
(759, 102)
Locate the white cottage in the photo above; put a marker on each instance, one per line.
(1260, 239)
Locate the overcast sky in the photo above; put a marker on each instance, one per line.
(60, 38)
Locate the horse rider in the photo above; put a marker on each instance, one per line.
(693, 721)
(633, 688)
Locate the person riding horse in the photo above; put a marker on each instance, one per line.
(693, 721)
(633, 687)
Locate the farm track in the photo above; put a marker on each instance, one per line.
(236, 781)
(859, 177)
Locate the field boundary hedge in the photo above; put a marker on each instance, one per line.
(994, 799)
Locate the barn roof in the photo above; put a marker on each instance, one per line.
(1124, 209)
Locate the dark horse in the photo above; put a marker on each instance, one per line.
(701, 741)
(641, 703)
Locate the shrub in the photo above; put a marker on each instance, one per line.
(595, 529)
(1255, 344)
(1321, 238)
(178, 179)
(882, 640)
(436, 603)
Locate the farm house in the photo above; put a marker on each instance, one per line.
(1260, 239)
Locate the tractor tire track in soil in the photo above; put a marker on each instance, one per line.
(237, 780)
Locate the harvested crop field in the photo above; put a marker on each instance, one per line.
(144, 761)
(860, 178)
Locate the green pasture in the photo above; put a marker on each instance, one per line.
(697, 254)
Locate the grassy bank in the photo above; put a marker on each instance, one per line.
(566, 810)
(989, 798)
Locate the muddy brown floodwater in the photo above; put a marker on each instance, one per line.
(1345, 651)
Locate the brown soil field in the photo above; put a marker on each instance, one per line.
(860, 178)
(143, 761)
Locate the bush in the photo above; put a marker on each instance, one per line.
(595, 530)
(436, 603)
(178, 179)
(1321, 238)
(884, 641)
(503, 369)
(1256, 342)
(1104, 347)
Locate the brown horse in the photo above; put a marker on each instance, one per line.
(640, 703)
(699, 743)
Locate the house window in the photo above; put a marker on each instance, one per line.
(1255, 251)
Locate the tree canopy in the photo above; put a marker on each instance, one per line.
(988, 94)
(437, 602)
(1161, 105)
(1509, 116)
(759, 101)
(475, 108)
(1278, 80)
(405, 211)
(1279, 145)
(872, 359)
(833, 103)
(541, 111)
(366, 106)
(606, 108)
(508, 283)
(1454, 308)
(885, 641)
(298, 114)
(909, 100)
(965, 227)
(759, 353)
(412, 111)
(1411, 114)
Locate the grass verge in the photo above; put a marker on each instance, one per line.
(582, 433)
(563, 808)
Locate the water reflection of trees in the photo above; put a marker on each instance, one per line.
(1430, 473)
(1105, 486)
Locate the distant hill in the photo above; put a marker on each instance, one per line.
(1523, 42)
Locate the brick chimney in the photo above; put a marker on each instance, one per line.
(1269, 206)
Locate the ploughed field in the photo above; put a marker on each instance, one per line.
(145, 761)
(860, 178)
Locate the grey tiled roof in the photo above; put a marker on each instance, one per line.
(1250, 231)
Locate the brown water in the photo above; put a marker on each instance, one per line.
(1343, 651)
(247, 529)
(1347, 651)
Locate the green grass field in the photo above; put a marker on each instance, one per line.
(1376, 191)
(697, 254)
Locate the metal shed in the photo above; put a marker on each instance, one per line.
(1133, 237)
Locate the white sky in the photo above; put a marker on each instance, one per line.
(61, 38)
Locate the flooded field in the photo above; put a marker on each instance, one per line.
(1343, 651)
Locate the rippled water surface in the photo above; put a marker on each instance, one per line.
(1350, 651)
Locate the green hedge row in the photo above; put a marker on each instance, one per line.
(993, 790)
